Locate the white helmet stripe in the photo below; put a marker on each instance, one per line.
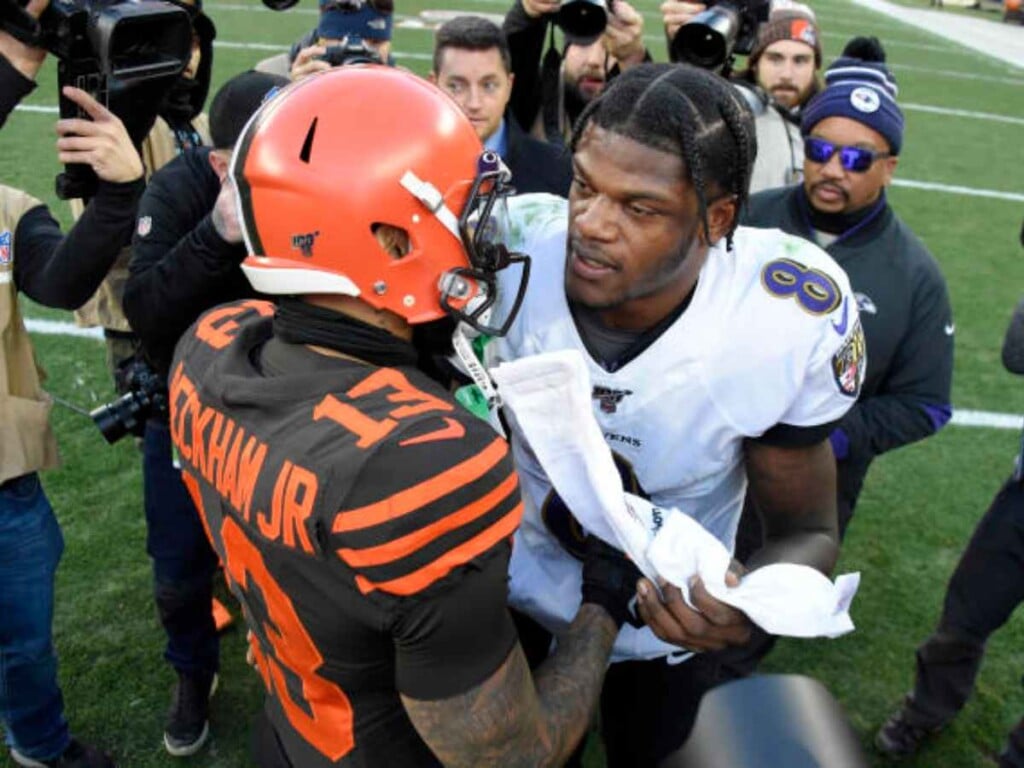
(429, 195)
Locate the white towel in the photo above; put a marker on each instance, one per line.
(548, 396)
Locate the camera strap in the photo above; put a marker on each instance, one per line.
(187, 137)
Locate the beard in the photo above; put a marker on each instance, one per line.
(650, 283)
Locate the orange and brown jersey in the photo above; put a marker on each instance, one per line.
(364, 521)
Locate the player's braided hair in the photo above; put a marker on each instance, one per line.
(687, 111)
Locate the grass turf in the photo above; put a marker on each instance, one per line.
(914, 518)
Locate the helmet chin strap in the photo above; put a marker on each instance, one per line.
(471, 365)
(429, 195)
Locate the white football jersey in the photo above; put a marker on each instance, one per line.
(771, 336)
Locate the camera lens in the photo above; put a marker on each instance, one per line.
(708, 38)
(117, 419)
(583, 21)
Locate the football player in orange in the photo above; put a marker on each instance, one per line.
(363, 517)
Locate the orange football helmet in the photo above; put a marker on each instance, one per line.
(331, 158)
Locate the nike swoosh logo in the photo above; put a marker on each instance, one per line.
(949, 328)
(840, 327)
(452, 430)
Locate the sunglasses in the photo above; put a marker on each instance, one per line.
(351, 6)
(856, 159)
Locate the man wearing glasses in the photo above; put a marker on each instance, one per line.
(853, 133)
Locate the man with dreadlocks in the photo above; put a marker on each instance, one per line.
(718, 356)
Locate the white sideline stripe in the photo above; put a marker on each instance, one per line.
(963, 418)
(282, 48)
(61, 328)
(958, 75)
(953, 189)
(962, 113)
(40, 108)
(988, 37)
(401, 23)
(948, 48)
(908, 107)
(967, 418)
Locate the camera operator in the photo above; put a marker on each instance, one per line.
(551, 89)
(348, 31)
(185, 260)
(779, 78)
(180, 124)
(61, 272)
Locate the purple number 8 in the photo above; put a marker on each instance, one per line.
(815, 291)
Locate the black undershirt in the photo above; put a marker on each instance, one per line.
(613, 348)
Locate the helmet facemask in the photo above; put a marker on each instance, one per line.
(469, 293)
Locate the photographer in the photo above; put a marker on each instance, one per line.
(62, 272)
(180, 124)
(779, 78)
(551, 89)
(184, 261)
(348, 31)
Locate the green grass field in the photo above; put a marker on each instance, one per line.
(919, 506)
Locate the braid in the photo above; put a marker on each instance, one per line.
(686, 111)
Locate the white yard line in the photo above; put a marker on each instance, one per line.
(61, 328)
(910, 107)
(968, 418)
(954, 189)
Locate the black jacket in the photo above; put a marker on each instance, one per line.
(14, 86)
(526, 36)
(536, 165)
(60, 271)
(908, 325)
(180, 266)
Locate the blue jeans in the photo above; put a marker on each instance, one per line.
(184, 562)
(31, 705)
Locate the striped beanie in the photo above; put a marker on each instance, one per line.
(793, 22)
(864, 91)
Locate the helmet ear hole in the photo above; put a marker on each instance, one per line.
(394, 241)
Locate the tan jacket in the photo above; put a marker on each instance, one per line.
(27, 443)
(104, 308)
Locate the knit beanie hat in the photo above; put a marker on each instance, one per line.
(367, 19)
(864, 91)
(794, 22)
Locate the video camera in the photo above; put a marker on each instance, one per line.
(146, 396)
(712, 38)
(105, 45)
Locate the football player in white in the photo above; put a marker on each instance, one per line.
(719, 357)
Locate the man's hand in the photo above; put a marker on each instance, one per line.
(675, 13)
(308, 62)
(713, 626)
(225, 213)
(102, 142)
(623, 37)
(537, 8)
(24, 58)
